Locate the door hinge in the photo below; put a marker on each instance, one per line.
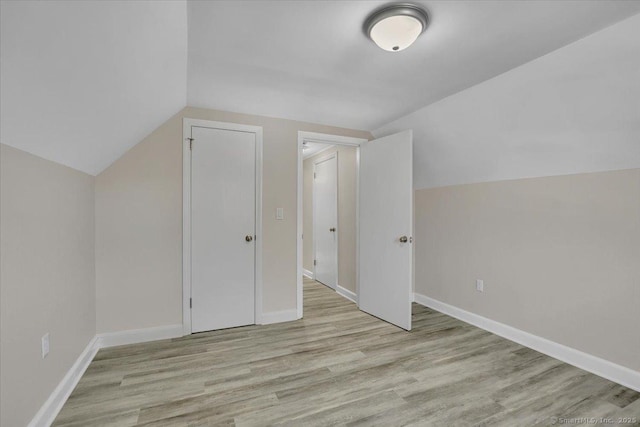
(315, 262)
(190, 143)
(190, 303)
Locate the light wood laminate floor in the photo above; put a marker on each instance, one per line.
(339, 366)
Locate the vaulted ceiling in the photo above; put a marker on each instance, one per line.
(310, 60)
(82, 82)
(574, 110)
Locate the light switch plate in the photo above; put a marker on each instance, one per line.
(480, 285)
(279, 213)
(45, 345)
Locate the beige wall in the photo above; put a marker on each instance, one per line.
(47, 277)
(347, 164)
(139, 223)
(139, 235)
(559, 256)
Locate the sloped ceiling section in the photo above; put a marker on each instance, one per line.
(84, 81)
(575, 110)
(310, 61)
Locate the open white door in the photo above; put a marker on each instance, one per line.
(386, 223)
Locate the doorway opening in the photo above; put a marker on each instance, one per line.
(328, 181)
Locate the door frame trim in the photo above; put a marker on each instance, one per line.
(303, 137)
(187, 123)
(322, 159)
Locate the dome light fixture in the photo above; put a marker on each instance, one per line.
(395, 27)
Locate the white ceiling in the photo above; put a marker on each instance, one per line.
(575, 110)
(313, 148)
(84, 81)
(310, 61)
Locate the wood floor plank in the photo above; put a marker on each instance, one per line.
(339, 366)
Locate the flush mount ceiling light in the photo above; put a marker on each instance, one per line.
(397, 26)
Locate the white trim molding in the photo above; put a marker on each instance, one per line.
(187, 124)
(279, 317)
(186, 228)
(325, 139)
(307, 273)
(601, 367)
(351, 296)
(56, 400)
(135, 336)
(52, 406)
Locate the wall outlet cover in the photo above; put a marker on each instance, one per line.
(480, 285)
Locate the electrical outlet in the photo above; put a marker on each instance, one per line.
(45, 345)
(480, 285)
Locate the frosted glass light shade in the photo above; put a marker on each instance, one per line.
(396, 33)
(397, 26)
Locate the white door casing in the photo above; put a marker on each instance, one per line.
(386, 218)
(221, 225)
(325, 219)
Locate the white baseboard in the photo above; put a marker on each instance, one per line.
(601, 367)
(52, 406)
(279, 316)
(50, 409)
(307, 273)
(135, 336)
(351, 296)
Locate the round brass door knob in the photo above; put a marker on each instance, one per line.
(248, 238)
(404, 239)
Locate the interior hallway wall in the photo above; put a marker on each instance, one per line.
(47, 278)
(139, 222)
(347, 186)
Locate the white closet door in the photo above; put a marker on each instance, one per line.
(325, 220)
(223, 212)
(386, 222)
